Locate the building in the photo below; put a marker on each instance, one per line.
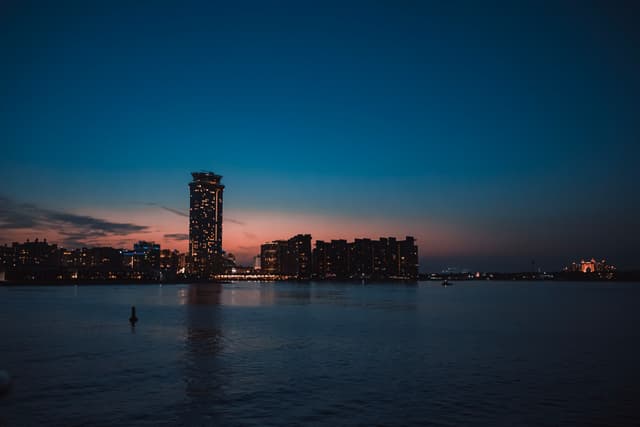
(338, 259)
(386, 258)
(288, 258)
(360, 259)
(330, 260)
(40, 261)
(143, 262)
(205, 224)
(408, 258)
(257, 263)
(150, 254)
(31, 260)
(145, 256)
(102, 263)
(590, 266)
(169, 264)
(300, 253)
(269, 258)
(276, 258)
(320, 259)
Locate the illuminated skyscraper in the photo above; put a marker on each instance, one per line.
(205, 224)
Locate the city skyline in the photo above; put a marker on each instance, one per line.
(490, 141)
(245, 255)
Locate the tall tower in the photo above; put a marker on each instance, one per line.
(205, 224)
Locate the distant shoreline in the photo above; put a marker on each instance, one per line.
(631, 278)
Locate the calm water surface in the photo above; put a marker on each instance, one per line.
(477, 353)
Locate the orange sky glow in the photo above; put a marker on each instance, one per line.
(244, 231)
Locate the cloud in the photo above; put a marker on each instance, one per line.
(166, 208)
(186, 214)
(76, 230)
(177, 236)
(75, 238)
(235, 221)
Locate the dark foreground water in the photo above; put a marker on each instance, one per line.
(477, 353)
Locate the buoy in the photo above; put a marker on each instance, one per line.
(133, 319)
(5, 382)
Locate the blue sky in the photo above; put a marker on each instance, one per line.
(514, 125)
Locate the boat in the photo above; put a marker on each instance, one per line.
(446, 282)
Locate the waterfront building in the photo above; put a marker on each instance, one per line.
(590, 266)
(257, 263)
(40, 261)
(408, 258)
(145, 256)
(150, 254)
(205, 224)
(337, 259)
(169, 259)
(6, 256)
(360, 259)
(320, 259)
(330, 259)
(31, 260)
(299, 256)
(366, 259)
(385, 258)
(169, 263)
(269, 258)
(288, 258)
(35, 253)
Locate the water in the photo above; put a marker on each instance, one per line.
(477, 353)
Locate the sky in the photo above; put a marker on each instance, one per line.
(495, 133)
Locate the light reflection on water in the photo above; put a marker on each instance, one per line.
(237, 294)
(287, 353)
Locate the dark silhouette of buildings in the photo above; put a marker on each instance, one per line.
(40, 261)
(361, 258)
(31, 260)
(145, 257)
(408, 258)
(300, 247)
(590, 266)
(286, 259)
(269, 259)
(330, 259)
(289, 258)
(386, 258)
(205, 225)
(169, 264)
(366, 259)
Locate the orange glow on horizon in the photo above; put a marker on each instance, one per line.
(249, 229)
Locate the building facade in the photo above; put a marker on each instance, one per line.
(205, 224)
(288, 258)
(408, 258)
(300, 252)
(386, 258)
(269, 258)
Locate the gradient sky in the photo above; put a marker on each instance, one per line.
(494, 133)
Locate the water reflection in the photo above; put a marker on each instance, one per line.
(298, 294)
(236, 294)
(248, 295)
(204, 378)
(206, 372)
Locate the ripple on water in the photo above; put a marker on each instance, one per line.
(294, 354)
